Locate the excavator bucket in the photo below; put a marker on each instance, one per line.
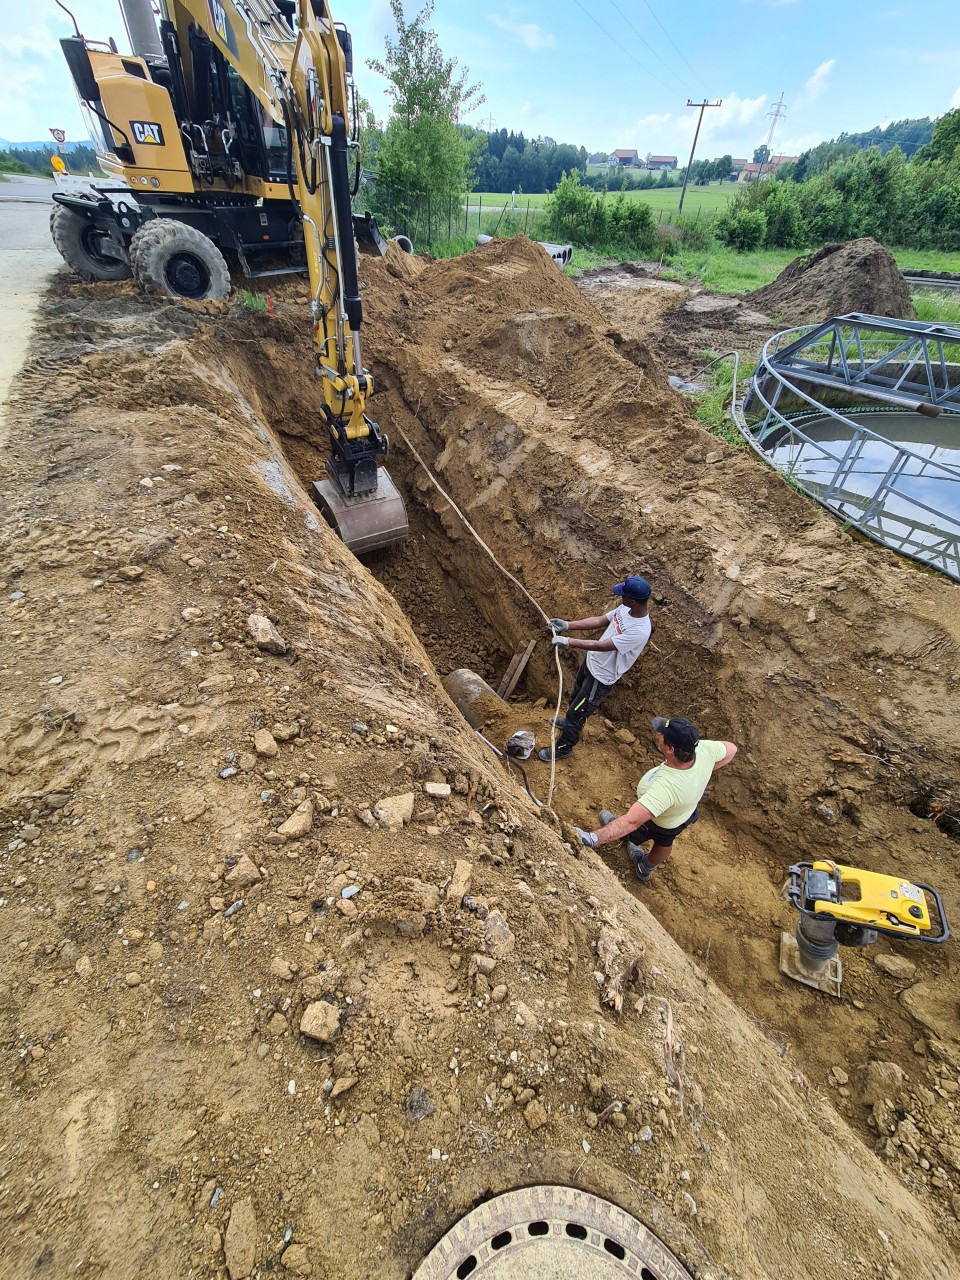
(368, 235)
(364, 523)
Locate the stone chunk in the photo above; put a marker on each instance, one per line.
(192, 807)
(535, 1115)
(498, 939)
(321, 1021)
(265, 634)
(437, 789)
(459, 885)
(244, 873)
(299, 822)
(240, 1242)
(896, 966)
(394, 811)
(217, 684)
(883, 1080)
(265, 744)
(296, 1261)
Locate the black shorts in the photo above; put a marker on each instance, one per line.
(661, 835)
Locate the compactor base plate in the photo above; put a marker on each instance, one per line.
(792, 964)
(367, 523)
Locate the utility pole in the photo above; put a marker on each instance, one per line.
(686, 177)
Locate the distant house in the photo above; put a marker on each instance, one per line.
(757, 172)
(661, 162)
(737, 165)
(625, 159)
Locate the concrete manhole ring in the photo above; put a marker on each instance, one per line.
(552, 1231)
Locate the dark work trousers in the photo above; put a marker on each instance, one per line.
(585, 696)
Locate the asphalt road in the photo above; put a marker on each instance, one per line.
(27, 258)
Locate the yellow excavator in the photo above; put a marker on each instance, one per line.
(230, 128)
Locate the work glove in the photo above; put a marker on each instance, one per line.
(588, 838)
(559, 642)
(558, 624)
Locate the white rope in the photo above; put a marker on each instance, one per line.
(507, 574)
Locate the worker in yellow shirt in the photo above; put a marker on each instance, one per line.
(667, 795)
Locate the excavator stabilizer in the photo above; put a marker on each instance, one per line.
(364, 523)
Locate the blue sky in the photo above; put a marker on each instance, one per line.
(601, 73)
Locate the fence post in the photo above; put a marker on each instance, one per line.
(479, 212)
(449, 217)
(526, 218)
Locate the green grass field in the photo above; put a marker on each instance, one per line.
(724, 271)
(708, 199)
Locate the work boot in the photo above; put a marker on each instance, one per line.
(606, 817)
(639, 859)
(562, 752)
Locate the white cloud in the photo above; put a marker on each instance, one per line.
(816, 84)
(529, 34)
(653, 123)
(955, 100)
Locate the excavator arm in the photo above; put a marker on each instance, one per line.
(303, 75)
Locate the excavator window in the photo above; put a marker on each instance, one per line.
(250, 134)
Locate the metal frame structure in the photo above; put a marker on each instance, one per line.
(898, 364)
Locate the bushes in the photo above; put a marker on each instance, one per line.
(744, 231)
(586, 218)
(631, 223)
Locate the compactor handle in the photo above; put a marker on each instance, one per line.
(944, 927)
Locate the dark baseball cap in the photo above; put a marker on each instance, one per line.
(633, 589)
(677, 732)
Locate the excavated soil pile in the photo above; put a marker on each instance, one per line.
(296, 973)
(839, 278)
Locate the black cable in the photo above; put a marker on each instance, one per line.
(619, 45)
(642, 40)
(71, 17)
(667, 34)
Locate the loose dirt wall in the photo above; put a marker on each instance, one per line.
(162, 1107)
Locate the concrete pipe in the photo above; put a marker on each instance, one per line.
(465, 688)
(560, 253)
(404, 242)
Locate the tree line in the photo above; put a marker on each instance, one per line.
(911, 203)
(36, 160)
(899, 184)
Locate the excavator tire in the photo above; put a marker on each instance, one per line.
(175, 259)
(78, 243)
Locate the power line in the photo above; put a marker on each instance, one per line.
(667, 34)
(619, 45)
(643, 41)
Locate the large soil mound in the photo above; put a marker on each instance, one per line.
(251, 1023)
(837, 279)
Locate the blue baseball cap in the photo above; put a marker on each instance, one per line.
(633, 589)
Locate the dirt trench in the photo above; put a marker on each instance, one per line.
(555, 431)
